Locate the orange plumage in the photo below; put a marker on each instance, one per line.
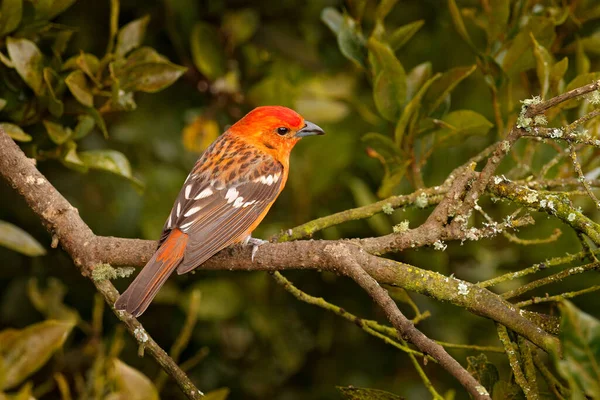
(228, 193)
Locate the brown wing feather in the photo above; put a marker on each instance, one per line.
(224, 224)
(212, 204)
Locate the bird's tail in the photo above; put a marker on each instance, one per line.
(144, 287)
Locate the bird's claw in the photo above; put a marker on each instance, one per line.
(255, 243)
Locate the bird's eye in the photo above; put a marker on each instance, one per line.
(282, 130)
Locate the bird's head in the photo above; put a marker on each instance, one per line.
(275, 129)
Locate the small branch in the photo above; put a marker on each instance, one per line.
(554, 384)
(531, 242)
(549, 279)
(528, 366)
(581, 176)
(513, 359)
(553, 262)
(184, 336)
(558, 297)
(432, 195)
(371, 327)
(555, 204)
(537, 109)
(76, 238)
(472, 347)
(88, 250)
(406, 328)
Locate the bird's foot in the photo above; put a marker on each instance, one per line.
(255, 243)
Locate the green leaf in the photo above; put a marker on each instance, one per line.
(84, 126)
(221, 299)
(273, 90)
(70, 158)
(2, 104)
(363, 196)
(55, 105)
(99, 121)
(557, 72)
(144, 55)
(114, 25)
(240, 25)
(578, 81)
(519, 56)
(49, 300)
(384, 8)
(484, 371)
(6, 61)
(582, 61)
(131, 36)
(580, 343)
(544, 62)
(416, 78)
(57, 133)
(460, 124)
(61, 41)
(351, 42)
(412, 109)
(132, 384)
(403, 34)
(86, 62)
(439, 90)
(389, 89)
(392, 158)
(218, 394)
(498, 17)
(27, 60)
(321, 109)
(349, 37)
(22, 352)
(15, 132)
(589, 44)
(207, 51)
(149, 77)
(109, 160)
(354, 393)
(11, 12)
(79, 87)
(45, 10)
(17, 239)
(459, 24)
(333, 19)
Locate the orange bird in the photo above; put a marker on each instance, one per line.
(228, 193)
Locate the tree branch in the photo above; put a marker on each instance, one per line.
(62, 220)
(404, 326)
(88, 250)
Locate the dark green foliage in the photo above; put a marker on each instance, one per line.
(114, 100)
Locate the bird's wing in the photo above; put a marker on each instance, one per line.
(216, 213)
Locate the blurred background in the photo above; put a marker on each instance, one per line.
(253, 337)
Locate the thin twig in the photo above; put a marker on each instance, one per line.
(558, 297)
(183, 338)
(553, 383)
(553, 262)
(581, 176)
(406, 329)
(525, 348)
(76, 238)
(513, 359)
(549, 279)
(371, 327)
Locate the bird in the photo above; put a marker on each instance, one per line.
(226, 195)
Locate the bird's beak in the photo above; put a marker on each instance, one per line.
(309, 129)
